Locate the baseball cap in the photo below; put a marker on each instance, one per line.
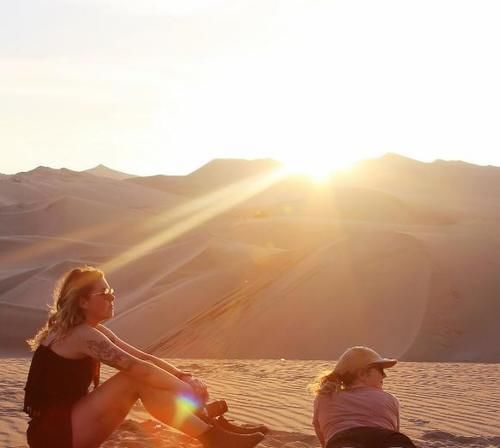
(359, 357)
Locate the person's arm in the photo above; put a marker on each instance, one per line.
(198, 385)
(142, 355)
(92, 342)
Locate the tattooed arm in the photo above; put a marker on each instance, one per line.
(95, 344)
(198, 385)
(140, 354)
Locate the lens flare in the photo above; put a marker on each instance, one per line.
(184, 406)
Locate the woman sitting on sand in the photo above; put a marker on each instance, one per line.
(68, 352)
(352, 410)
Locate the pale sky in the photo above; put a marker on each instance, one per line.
(164, 86)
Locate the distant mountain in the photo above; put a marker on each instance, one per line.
(104, 171)
(454, 185)
(220, 172)
(43, 183)
(216, 174)
(48, 171)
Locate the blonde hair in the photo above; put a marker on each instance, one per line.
(328, 382)
(65, 312)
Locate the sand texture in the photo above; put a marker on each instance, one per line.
(442, 404)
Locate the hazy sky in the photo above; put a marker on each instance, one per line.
(160, 86)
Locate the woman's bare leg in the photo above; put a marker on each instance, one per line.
(99, 413)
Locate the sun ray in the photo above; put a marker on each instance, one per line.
(196, 213)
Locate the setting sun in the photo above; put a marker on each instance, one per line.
(318, 169)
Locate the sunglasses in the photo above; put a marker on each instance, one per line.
(104, 292)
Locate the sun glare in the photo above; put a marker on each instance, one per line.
(319, 170)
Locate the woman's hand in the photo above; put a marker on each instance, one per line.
(199, 387)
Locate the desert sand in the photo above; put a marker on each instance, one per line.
(235, 262)
(442, 404)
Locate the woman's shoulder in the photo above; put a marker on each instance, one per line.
(82, 330)
(84, 333)
(392, 398)
(375, 391)
(49, 339)
(387, 396)
(69, 340)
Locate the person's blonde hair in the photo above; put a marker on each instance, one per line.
(65, 312)
(328, 382)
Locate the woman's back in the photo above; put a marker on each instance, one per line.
(55, 380)
(357, 407)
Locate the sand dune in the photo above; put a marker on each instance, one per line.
(379, 256)
(47, 183)
(104, 171)
(198, 283)
(32, 251)
(463, 301)
(216, 174)
(222, 172)
(347, 278)
(18, 323)
(173, 184)
(63, 216)
(36, 289)
(411, 286)
(463, 188)
(298, 197)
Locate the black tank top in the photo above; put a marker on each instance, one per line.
(57, 381)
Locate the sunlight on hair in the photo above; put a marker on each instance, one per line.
(184, 406)
(196, 213)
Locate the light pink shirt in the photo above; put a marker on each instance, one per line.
(360, 406)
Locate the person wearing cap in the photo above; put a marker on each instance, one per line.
(352, 409)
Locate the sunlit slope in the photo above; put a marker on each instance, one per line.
(423, 294)
(199, 278)
(317, 303)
